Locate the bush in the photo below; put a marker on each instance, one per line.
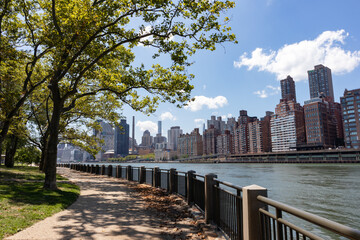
(28, 155)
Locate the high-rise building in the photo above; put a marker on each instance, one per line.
(190, 144)
(350, 104)
(218, 123)
(224, 143)
(159, 128)
(320, 82)
(173, 135)
(147, 139)
(121, 143)
(266, 131)
(320, 124)
(288, 89)
(241, 133)
(159, 138)
(255, 136)
(209, 140)
(106, 134)
(287, 126)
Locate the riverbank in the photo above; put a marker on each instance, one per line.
(110, 208)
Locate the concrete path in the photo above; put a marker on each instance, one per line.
(106, 209)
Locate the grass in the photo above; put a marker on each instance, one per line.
(23, 201)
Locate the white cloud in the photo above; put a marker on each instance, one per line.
(204, 87)
(297, 58)
(147, 125)
(225, 117)
(199, 122)
(211, 103)
(167, 116)
(268, 91)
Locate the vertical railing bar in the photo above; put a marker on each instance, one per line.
(274, 229)
(279, 225)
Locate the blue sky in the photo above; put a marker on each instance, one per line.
(276, 38)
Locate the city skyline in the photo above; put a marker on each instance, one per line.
(275, 40)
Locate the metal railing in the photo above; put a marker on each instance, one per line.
(228, 209)
(149, 174)
(181, 183)
(223, 204)
(164, 179)
(199, 192)
(274, 227)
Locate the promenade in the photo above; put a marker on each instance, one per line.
(110, 208)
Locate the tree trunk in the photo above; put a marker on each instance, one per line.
(51, 146)
(10, 151)
(43, 150)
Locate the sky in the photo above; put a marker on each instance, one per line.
(276, 38)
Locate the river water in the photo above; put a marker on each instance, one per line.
(328, 190)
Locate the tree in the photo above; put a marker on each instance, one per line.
(21, 68)
(85, 48)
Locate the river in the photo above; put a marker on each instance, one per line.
(328, 190)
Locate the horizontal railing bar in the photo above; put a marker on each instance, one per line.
(320, 221)
(267, 213)
(229, 184)
(226, 191)
(197, 175)
(300, 230)
(166, 170)
(182, 172)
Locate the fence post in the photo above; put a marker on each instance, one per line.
(172, 180)
(102, 170)
(209, 197)
(118, 171)
(142, 177)
(129, 173)
(156, 178)
(190, 186)
(251, 219)
(97, 170)
(110, 167)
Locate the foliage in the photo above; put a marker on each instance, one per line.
(24, 202)
(148, 156)
(28, 155)
(83, 52)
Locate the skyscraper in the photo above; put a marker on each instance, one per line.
(121, 140)
(173, 135)
(320, 82)
(159, 127)
(288, 89)
(107, 135)
(350, 104)
(147, 139)
(287, 126)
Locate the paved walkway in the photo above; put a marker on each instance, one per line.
(106, 209)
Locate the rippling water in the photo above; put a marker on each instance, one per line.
(328, 190)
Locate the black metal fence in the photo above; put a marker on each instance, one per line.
(199, 191)
(228, 209)
(223, 203)
(275, 227)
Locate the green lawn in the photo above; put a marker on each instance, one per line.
(23, 201)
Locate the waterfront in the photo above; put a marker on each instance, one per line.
(327, 190)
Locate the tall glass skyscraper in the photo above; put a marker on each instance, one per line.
(121, 143)
(320, 82)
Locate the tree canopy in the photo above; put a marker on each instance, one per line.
(83, 52)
